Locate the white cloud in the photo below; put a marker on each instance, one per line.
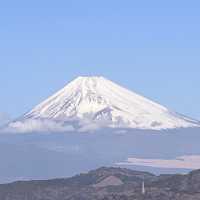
(33, 125)
(182, 162)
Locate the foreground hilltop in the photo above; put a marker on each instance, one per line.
(107, 184)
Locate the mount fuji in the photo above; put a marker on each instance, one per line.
(105, 125)
(89, 103)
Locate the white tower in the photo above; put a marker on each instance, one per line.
(143, 188)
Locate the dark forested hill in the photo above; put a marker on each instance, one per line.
(107, 184)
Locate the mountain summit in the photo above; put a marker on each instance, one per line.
(100, 102)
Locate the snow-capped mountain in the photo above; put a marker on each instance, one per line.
(96, 100)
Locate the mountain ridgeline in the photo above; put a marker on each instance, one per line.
(108, 184)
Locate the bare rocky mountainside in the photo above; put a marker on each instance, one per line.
(107, 184)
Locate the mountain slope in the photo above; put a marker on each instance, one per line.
(98, 101)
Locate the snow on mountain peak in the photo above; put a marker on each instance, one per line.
(98, 102)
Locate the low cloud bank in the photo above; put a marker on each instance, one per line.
(46, 125)
(35, 125)
(182, 162)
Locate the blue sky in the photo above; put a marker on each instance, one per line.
(151, 47)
